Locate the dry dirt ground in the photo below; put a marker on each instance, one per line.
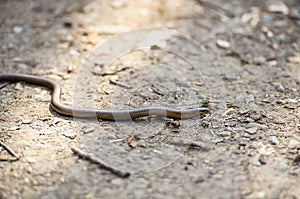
(247, 69)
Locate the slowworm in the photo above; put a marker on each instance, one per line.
(100, 114)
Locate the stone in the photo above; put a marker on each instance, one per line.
(239, 178)
(22, 66)
(117, 182)
(262, 159)
(19, 87)
(278, 7)
(273, 140)
(17, 29)
(30, 159)
(139, 193)
(245, 98)
(255, 160)
(28, 121)
(14, 128)
(251, 130)
(282, 166)
(294, 144)
(257, 125)
(224, 133)
(259, 195)
(88, 130)
(295, 13)
(278, 86)
(223, 44)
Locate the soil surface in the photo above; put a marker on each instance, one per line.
(241, 59)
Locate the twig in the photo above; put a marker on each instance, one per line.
(104, 30)
(216, 7)
(4, 85)
(191, 144)
(157, 92)
(117, 140)
(10, 151)
(240, 56)
(120, 84)
(92, 159)
(110, 72)
(8, 160)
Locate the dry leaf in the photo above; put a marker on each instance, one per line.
(133, 141)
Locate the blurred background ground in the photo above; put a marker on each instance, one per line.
(254, 141)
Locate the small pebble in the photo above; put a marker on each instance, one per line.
(278, 6)
(73, 52)
(239, 178)
(245, 98)
(273, 140)
(198, 178)
(255, 160)
(257, 125)
(29, 121)
(218, 176)
(258, 195)
(294, 59)
(262, 159)
(295, 13)
(22, 66)
(223, 44)
(117, 182)
(30, 159)
(139, 193)
(282, 166)
(17, 29)
(259, 60)
(266, 150)
(294, 144)
(251, 18)
(273, 63)
(19, 87)
(88, 130)
(278, 86)
(251, 130)
(224, 133)
(15, 128)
